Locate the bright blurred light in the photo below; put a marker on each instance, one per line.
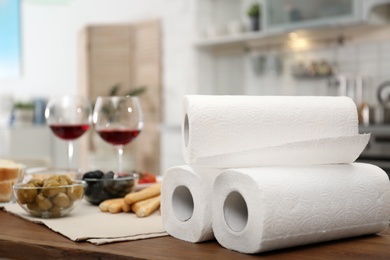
(293, 35)
(297, 43)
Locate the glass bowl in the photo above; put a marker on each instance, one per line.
(100, 187)
(45, 172)
(52, 197)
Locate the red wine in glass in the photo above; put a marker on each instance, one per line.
(118, 120)
(69, 132)
(69, 118)
(118, 136)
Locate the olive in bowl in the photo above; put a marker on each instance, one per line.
(45, 172)
(102, 186)
(52, 197)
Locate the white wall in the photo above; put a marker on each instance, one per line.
(50, 34)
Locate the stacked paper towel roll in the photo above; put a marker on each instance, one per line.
(266, 208)
(248, 131)
(278, 137)
(186, 202)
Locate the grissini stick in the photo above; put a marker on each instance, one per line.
(116, 206)
(125, 207)
(144, 194)
(103, 206)
(146, 207)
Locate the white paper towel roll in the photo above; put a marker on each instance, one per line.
(186, 203)
(215, 126)
(334, 150)
(262, 209)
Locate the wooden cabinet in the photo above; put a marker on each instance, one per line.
(128, 55)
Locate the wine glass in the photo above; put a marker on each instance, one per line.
(118, 120)
(69, 118)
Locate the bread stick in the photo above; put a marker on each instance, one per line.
(144, 194)
(126, 207)
(146, 207)
(103, 206)
(136, 206)
(116, 206)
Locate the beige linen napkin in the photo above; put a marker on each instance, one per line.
(87, 223)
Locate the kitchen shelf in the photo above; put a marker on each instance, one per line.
(380, 129)
(279, 38)
(361, 15)
(238, 39)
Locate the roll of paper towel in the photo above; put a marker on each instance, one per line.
(216, 128)
(267, 208)
(186, 202)
(332, 150)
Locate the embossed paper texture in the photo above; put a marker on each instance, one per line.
(297, 205)
(249, 131)
(186, 202)
(265, 173)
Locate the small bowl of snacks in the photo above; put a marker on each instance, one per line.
(50, 197)
(101, 186)
(45, 172)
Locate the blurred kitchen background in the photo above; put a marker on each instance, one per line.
(172, 48)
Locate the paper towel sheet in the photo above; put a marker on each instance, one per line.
(186, 202)
(261, 209)
(87, 223)
(217, 125)
(334, 150)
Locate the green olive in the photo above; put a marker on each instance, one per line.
(33, 207)
(50, 179)
(36, 182)
(75, 193)
(43, 202)
(49, 188)
(55, 211)
(35, 210)
(61, 200)
(65, 180)
(27, 195)
(20, 196)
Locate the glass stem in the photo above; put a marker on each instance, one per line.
(120, 158)
(70, 153)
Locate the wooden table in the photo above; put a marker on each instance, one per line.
(21, 239)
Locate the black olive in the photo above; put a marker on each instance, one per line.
(99, 174)
(108, 175)
(108, 188)
(93, 175)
